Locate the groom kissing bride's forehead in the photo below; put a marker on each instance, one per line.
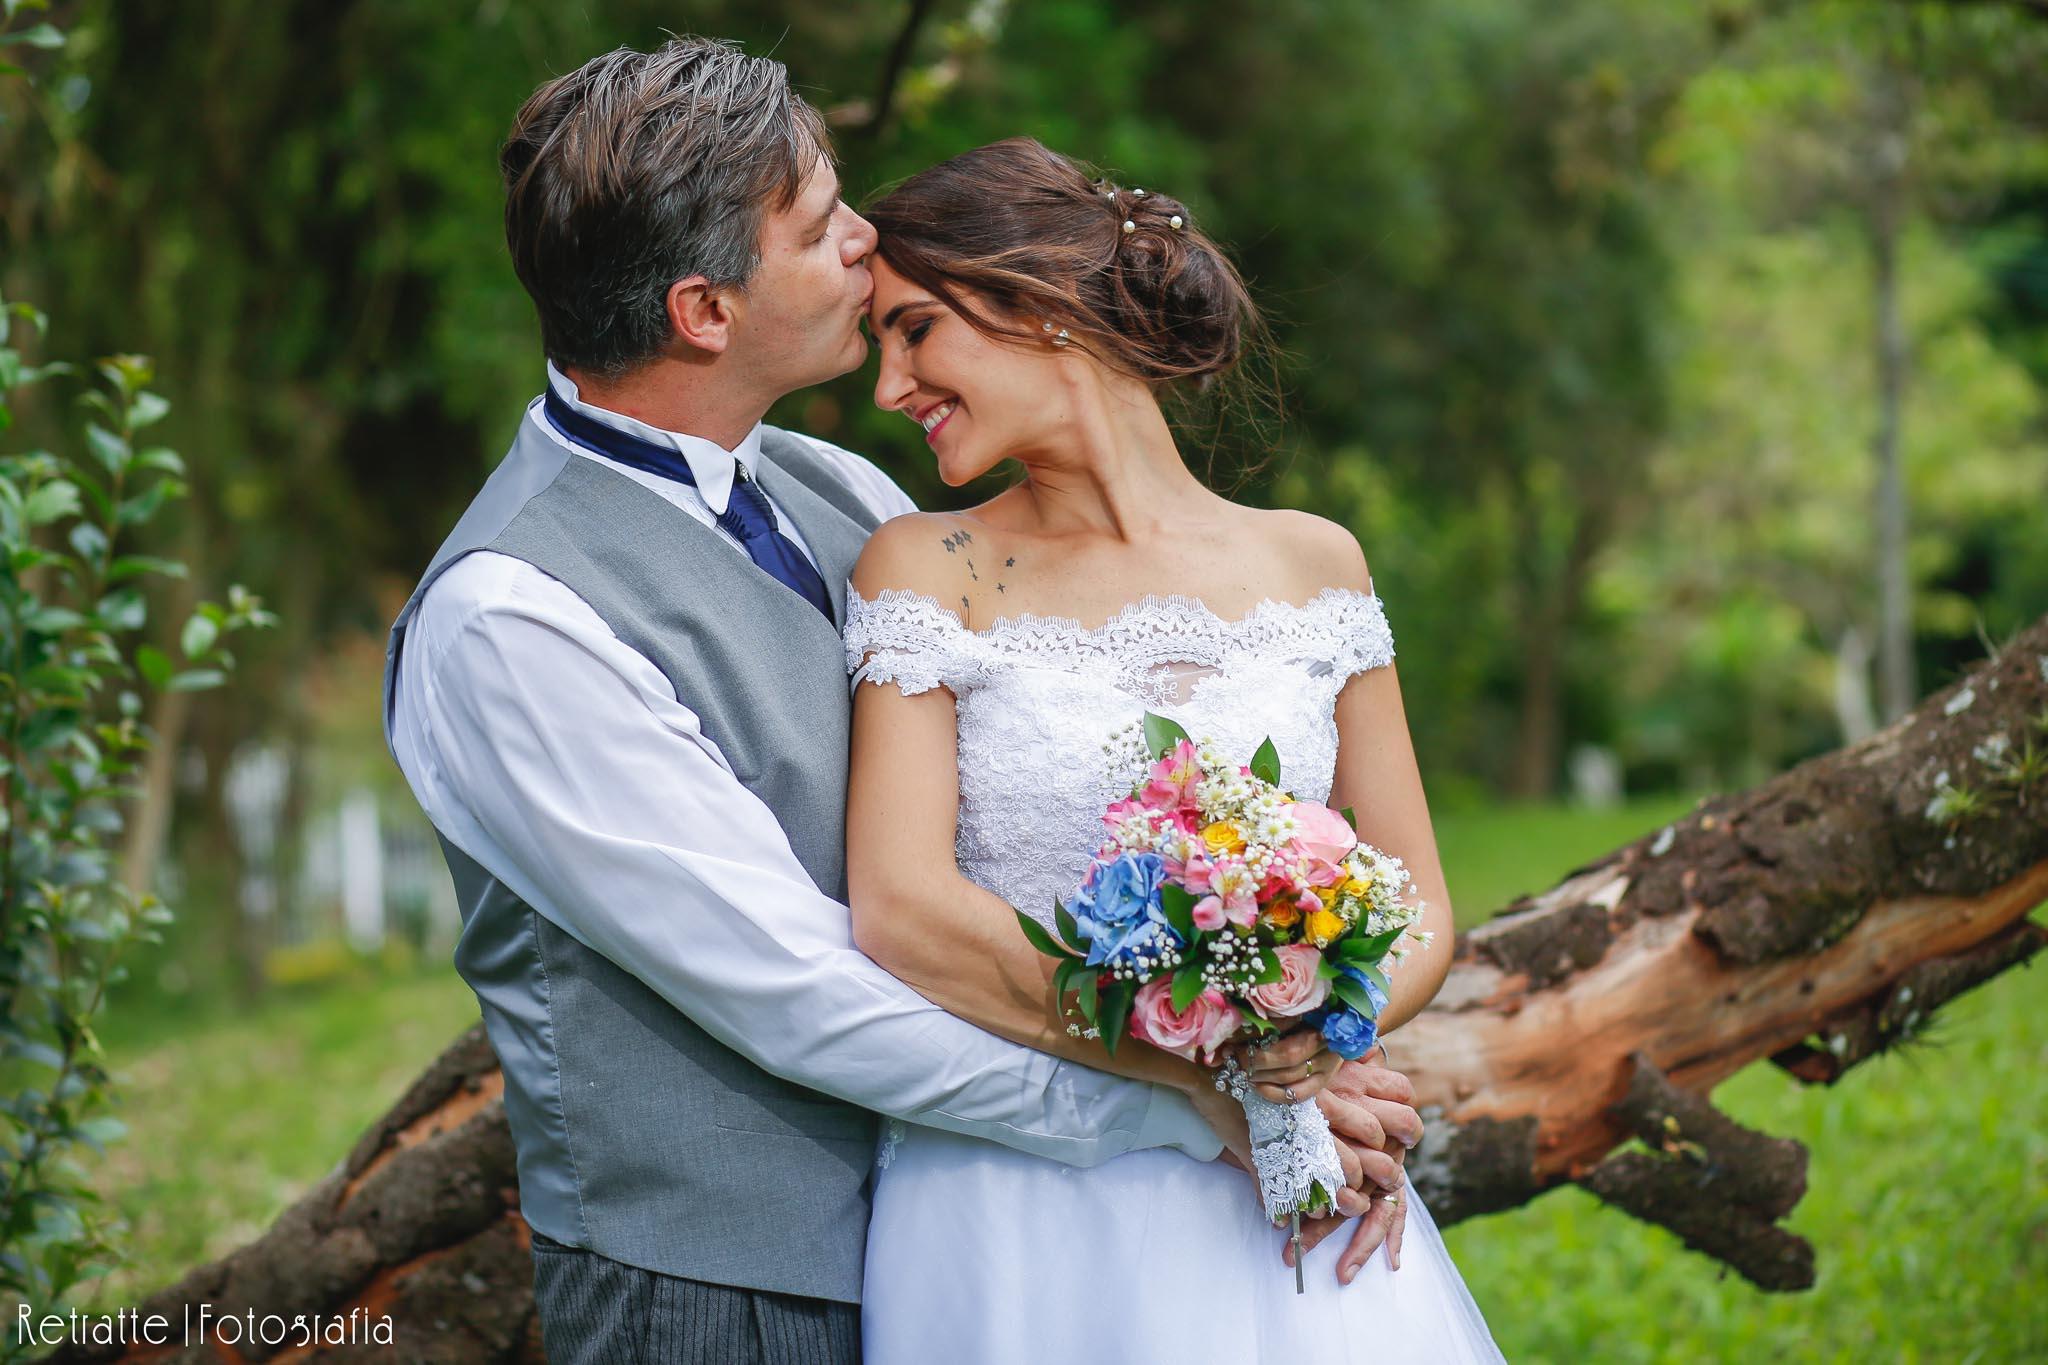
(681, 208)
(619, 692)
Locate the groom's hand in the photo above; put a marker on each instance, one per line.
(1372, 1104)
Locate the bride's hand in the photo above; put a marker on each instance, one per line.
(1294, 1066)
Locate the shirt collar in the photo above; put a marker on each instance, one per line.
(711, 464)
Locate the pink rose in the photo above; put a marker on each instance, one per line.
(1207, 1024)
(1299, 988)
(1322, 832)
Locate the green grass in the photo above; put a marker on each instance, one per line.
(1927, 1183)
(233, 1118)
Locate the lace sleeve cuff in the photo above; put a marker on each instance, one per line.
(907, 639)
(1363, 640)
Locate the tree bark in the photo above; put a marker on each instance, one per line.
(1816, 921)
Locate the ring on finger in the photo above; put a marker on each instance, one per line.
(1288, 1091)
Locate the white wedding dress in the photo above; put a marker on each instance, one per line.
(982, 1255)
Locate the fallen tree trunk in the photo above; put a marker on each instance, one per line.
(1814, 921)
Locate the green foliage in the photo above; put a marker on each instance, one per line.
(74, 609)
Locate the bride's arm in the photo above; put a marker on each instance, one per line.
(954, 943)
(917, 915)
(1378, 780)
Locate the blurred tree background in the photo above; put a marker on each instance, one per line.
(1682, 367)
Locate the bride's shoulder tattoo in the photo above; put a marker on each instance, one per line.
(960, 544)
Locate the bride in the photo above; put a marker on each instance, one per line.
(1026, 312)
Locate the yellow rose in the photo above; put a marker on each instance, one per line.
(1327, 895)
(1323, 926)
(1223, 837)
(1355, 887)
(1283, 914)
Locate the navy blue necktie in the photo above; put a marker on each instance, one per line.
(747, 518)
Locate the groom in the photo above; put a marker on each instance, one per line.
(619, 693)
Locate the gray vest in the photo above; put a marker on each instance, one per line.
(640, 1136)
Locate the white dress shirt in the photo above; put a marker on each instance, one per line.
(565, 764)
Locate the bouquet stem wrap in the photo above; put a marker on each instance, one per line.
(1296, 1155)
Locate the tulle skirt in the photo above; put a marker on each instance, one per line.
(981, 1255)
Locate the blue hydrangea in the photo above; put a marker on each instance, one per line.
(1350, 1034)
(1121, 893)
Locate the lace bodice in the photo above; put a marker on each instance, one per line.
(1040, 698)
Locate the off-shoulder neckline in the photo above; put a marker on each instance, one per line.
(1008, 627)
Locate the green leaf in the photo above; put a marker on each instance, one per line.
(1161, 735)
(1348, 990)
(124, 609)
(1116, 1012)
(10, 360)
(35, 317)
(1063, 977)
(108, 448)
(1269, 968)
(161, 457)
(197, 680)
(139, 509)
(1378, 977)
(54, 620)
(46, 36)
(1187, 984)
(199, 635)
(1088, 996)
(1350, 818)
(40, 1054)
(130, 566)
(55, 499)
(28, 557)
(96, 1133)
(1266, 763)
(1033, 930)
(148, 408)
(1179, 907)
(1367, 948)
(89, 540)
(1069, 931)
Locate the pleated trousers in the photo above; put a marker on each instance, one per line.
(597, 1311)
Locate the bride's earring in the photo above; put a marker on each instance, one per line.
(1059, 338)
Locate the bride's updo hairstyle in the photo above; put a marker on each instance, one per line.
(1037, 239)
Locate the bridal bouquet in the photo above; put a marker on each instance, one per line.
(1220, 907)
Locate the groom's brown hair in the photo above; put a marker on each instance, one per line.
(639, 169)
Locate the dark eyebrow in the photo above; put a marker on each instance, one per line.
(889, 318)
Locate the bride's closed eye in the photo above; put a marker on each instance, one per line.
(915, 332)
